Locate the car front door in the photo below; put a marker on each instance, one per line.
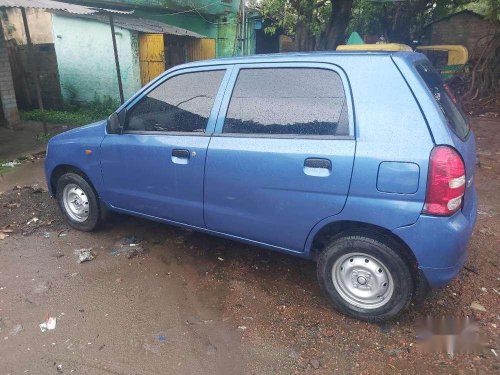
(281, 157)
(156, 166)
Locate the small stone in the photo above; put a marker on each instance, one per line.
(314, 363)
(293, 354)
(394, 352)
(16, 330)
(477, 306)
(385, 327)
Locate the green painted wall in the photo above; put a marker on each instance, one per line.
(86, 61)
(193, 22)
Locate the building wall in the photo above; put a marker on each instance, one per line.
(213, 19)
(8, 102)
(39, 23)
(23, 71)
(86, 61)
(465, 29)
(223, 29)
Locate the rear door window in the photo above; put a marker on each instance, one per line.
(288, 101)
(445, 98)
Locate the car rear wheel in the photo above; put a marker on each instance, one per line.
(365, 276)
(78, 202)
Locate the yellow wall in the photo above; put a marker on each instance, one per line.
(39, 22)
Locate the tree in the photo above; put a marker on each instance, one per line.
(400, 21)
(315, 24)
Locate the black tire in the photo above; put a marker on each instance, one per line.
(94, 214)
(379, 248)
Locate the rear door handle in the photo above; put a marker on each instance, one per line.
(180, 156)
(317, 167)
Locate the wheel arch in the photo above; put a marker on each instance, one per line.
(329, 230)
(62, 169)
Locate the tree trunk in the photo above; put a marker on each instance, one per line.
(334, 33)
(304, 39)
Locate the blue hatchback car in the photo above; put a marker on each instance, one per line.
(361, 161)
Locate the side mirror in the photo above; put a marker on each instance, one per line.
(116, 122)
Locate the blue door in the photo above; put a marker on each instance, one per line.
(156, 166)
(282, 154)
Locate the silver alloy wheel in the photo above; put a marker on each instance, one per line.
(76, 202)
(362, 280)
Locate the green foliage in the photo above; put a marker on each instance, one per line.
(402, 21)
(43, 138)
(74, 116)
(285, 14)
(397, 21)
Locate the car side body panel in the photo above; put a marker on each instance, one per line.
(383, 167)
(69, 148)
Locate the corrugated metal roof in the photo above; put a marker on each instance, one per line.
(57, 5)
(139, 24)
(47, 4)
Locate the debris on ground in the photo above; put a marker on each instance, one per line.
(161, 338)
(62, 234)
(85, 255)
(33, 220)
(36, 189)
(477, 306)
(11, 164)
(3, 235)
(314, 363)
(131, 246)
(12, 205)
(48, 325)
(59, 368)
(16, 330)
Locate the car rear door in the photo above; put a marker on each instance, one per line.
(281, 156)
(156, 166)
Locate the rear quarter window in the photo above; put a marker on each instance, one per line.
(445, 99)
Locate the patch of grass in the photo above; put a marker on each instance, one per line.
(43, 138)
(73, 115)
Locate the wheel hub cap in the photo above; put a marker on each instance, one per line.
(362, 280)
(76, 202)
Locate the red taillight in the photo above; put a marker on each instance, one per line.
(446, 182)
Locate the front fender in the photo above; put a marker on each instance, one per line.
(78, 148)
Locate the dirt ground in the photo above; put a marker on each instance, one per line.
(195, 304)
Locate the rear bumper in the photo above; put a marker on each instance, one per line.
(440, 243)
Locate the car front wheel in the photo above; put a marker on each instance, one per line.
(365, 276)
(78, 201)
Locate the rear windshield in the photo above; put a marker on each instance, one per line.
(445, 99)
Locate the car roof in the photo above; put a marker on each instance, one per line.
(297, 56)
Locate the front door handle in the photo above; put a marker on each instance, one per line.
(180, 156)
(317, 167)
(180, 153)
